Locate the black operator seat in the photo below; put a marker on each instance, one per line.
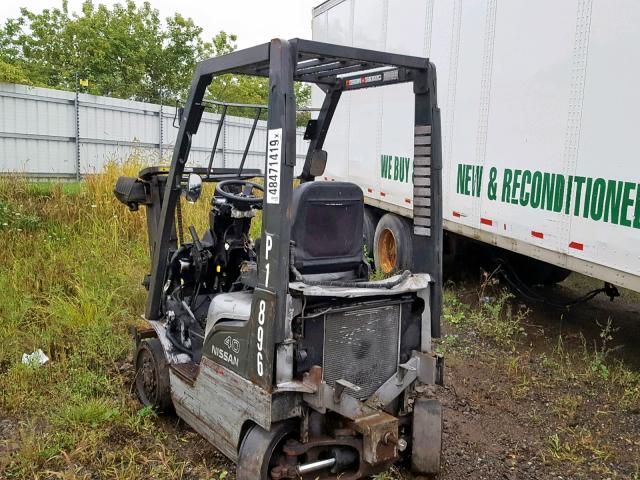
(327, 230)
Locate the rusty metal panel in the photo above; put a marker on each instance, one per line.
(237, 401)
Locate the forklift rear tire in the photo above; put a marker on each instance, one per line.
(426, 448)
(260, 450)
(152, 376)
(393, 244)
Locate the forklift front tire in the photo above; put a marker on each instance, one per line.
(152, 376)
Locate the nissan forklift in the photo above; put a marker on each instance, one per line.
(281, 351)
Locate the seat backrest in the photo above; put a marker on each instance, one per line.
(327, 227)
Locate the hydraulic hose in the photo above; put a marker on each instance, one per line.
(177, 344)
(512, 278)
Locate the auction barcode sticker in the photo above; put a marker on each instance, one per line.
(272, 171)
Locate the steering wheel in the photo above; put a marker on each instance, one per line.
(240, 193)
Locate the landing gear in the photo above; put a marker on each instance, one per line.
(152, 376)
(260, 450)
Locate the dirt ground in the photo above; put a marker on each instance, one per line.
(543, 407)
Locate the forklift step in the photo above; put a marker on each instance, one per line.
(186, 371)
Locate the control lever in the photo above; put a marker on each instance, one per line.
(196, 239)
(200, 256)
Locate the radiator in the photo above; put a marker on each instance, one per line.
(361, 346)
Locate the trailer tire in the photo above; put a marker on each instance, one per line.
(556, 275)
(393, 244)
(369, 231)
(536, 272)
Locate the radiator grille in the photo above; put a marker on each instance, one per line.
(361, 346)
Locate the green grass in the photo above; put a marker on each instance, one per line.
(499, 319)
(72, 263)
(496, 317)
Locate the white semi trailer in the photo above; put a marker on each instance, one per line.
(540, 110)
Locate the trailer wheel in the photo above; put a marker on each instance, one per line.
(536, 272)
(261, 450)
(556, 275)
(393, 244)
(152, 376)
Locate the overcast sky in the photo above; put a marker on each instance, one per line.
(254, 21)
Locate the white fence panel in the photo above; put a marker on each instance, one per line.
(38, 134)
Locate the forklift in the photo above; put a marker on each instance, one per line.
(282, 352)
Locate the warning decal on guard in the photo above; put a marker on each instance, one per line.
(272, 171)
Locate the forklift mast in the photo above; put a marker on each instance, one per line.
(334, 69)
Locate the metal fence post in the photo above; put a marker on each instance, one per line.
(77, 109)
(224, 145)
(161, 132)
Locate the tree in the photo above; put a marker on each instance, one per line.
(13, 74)
(253, 90)
(125, 51)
